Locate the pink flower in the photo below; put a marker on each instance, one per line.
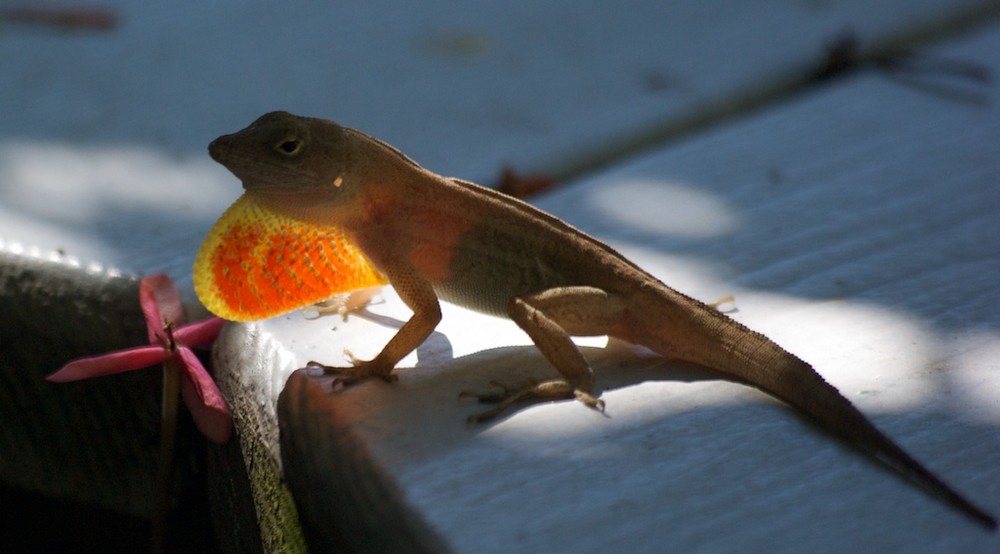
(170, 340)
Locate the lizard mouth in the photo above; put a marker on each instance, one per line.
(219, 149)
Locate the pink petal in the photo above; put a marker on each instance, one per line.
(160, 301)
(204, 399)
(199, 333)
(109, 364)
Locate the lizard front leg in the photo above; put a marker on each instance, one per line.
(549, 318)
(418, 295)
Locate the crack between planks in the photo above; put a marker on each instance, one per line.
(875, 54)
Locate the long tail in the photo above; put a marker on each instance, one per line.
(702, 335)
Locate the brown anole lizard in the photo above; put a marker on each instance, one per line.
(328, 209)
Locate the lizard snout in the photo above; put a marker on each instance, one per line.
(218, 148)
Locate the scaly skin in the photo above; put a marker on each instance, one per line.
(329, 209)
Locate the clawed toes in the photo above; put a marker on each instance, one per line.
(589, 401)
(503, 392)
(505, 398)
(329, 369)
(346, 376)
(351, 358)
(317, 365)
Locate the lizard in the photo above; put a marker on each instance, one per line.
(328, 209)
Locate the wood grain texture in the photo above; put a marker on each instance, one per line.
(851, 227)
(341, 490)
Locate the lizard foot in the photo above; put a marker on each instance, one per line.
(504, 398)
(502, 392)
(360, 370)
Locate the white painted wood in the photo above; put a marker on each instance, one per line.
(856, 226)
(103, 135)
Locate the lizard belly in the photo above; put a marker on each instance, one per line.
(491, 289)
(487, 269)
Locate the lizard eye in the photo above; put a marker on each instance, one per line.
(289, 145)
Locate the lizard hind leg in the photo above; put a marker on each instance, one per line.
(506, 398)
(549, 318)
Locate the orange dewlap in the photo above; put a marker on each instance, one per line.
(255, 264)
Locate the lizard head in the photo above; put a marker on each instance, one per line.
(281, 153)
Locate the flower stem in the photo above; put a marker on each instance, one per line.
(164, 474)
